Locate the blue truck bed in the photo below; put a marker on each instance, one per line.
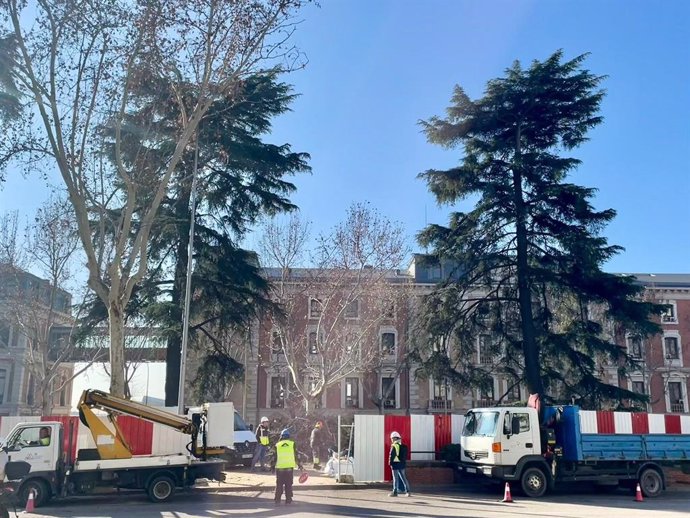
(581, 440)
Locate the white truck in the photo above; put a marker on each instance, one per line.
(47, 448)
(571, 445)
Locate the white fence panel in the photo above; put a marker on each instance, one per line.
(456, 424)
(369, 451)
(622, 422)
(685, 424)
(657, 423)
(167, 441)
(588, 421)
(423, 439)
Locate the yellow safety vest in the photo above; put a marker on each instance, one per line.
(396, 447)
(285, 454)
(264, 440)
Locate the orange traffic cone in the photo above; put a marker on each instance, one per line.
(507, 497)
(638, 494)
(30, 505)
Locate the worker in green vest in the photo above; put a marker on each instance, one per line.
(286, 461)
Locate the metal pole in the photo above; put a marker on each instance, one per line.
(337, 478)
(188, 287)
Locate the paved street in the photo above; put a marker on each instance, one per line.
(479, 502)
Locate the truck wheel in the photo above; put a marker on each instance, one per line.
(651, 483)
(161, 489)
(533, 482)
(40, 489)
(4, 513)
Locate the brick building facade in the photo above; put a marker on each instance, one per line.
(663, 373)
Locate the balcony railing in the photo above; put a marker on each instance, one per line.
(351, 403)
(440, 405)
(677, 408)
(668, 319)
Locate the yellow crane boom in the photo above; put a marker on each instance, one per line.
(113, 445)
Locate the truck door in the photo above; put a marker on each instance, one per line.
(517, 438)
(35, 444)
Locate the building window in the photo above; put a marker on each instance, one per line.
(278, 392)
(313, 343)
(635, 347)
(352, 309)
(4, 335)
(388, 343)
(669, 315)
(486, 395)
(388, 393)
(671, 349)
(638, 387)
(513, 392)
(675, 396)
(315, 308)
(485, 354)
(351, 392)
(3, 383)
(434, 272)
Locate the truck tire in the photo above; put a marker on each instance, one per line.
(4, 513)
(651, 483)
(40, 489)
(161, 489)
(533, 482)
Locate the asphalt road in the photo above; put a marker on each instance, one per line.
(473, 502)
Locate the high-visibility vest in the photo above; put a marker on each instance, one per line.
(285, 454)
(263, 436)
(396, 447)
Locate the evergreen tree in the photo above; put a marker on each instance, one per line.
(528, 254)
(240, 178)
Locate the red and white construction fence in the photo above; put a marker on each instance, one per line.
(633, 422)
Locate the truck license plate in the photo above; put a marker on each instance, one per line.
(471, 470)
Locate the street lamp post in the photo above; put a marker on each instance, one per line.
(188, 287)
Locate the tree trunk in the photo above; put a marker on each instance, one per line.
(174, 347)
(117, 349)
(46, 398)
(530, 347)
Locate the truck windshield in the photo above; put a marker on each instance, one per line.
(240, 425)
(480, 423)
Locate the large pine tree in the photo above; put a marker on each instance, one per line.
(529, 253)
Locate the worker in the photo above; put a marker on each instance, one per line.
(262, 443)
(397, 461)
(316, 441)
(44, 436)
(286, 461)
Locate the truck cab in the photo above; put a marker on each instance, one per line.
(39, 445)
(496, 442)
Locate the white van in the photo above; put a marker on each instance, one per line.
(245, 443)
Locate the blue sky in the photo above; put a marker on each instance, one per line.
(376, 67)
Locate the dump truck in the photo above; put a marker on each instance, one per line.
(610, 449)
(47, 447)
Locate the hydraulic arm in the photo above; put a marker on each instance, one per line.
(113, 445)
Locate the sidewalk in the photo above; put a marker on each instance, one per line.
(245, 480)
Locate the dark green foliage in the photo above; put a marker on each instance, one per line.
(529, 253)
(216, 376)
(240, 179)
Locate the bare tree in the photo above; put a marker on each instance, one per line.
(332, 312)
(41, 307)
(80, 67)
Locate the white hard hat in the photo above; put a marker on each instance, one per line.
(395, 435)
(264, 419)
